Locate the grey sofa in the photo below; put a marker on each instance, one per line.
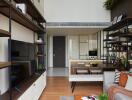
(109, 81)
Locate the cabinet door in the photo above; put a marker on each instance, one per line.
(27, 94)
(36, 89)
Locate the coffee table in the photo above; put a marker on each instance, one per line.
(77, 97)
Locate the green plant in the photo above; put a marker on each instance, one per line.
(103, 96)
(125, 63)
(109, 4)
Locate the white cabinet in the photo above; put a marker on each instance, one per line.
(35, 90)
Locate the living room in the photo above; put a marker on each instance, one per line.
(65, 50)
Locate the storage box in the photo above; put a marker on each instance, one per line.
(21, 7)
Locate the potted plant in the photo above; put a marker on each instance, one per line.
(109, 4)
(103, 96)
(125, 63)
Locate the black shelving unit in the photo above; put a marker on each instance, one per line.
(114, 36)
(40, 54)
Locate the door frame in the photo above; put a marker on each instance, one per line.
(61, 40)
(50, 50)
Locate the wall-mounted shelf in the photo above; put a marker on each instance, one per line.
(119, 25)
(118, 45)
(108, 40)
(32, 10)
(40, 55)
(120, 34)
(4, 33)
(18, 16)
(40, 43)
(4, 64)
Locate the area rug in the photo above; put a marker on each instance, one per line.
(66, 97)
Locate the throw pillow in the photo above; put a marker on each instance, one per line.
(117, 75)
(123, 79)
(129, 83)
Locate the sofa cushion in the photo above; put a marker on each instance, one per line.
(120, 96)
(123, 79)
(117, 75)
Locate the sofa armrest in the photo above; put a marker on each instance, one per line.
(108, 80)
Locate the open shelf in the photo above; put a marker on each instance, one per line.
(19, 17)
(4, 64)
(119, 25)
(120, 34)
(116, 42)
(108, 40)
(40, 55)
(32, 10)
(4, 33)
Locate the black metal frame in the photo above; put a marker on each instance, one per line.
(122, 24)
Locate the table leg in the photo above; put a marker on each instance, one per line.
(73, 87)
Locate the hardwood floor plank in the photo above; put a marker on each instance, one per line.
(60, 86)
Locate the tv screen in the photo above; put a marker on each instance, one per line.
(93, 53)
(22, 50)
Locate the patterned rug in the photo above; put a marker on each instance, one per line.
(66, 98)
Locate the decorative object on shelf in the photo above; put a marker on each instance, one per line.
(21, 7)
(114, 20)
(39, 40)
(122, 16)
(103, 96)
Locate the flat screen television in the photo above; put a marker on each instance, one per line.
(22, 51)
(93, 53)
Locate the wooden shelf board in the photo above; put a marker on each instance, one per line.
(4, 64)
(107, 47)
(40, 55)
(121, 24)
(120, 34)
(4, 33)
(32, 10)
(40, 43)
(115, 34)
(117, 42)
(19, 17)
(108, 40)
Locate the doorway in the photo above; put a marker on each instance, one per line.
(59, 51)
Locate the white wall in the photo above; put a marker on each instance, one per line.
(39, 6)
(19, 32)
(75, 11)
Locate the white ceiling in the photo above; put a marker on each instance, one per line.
(72, 31)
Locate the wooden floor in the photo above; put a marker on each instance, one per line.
(60, 86)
